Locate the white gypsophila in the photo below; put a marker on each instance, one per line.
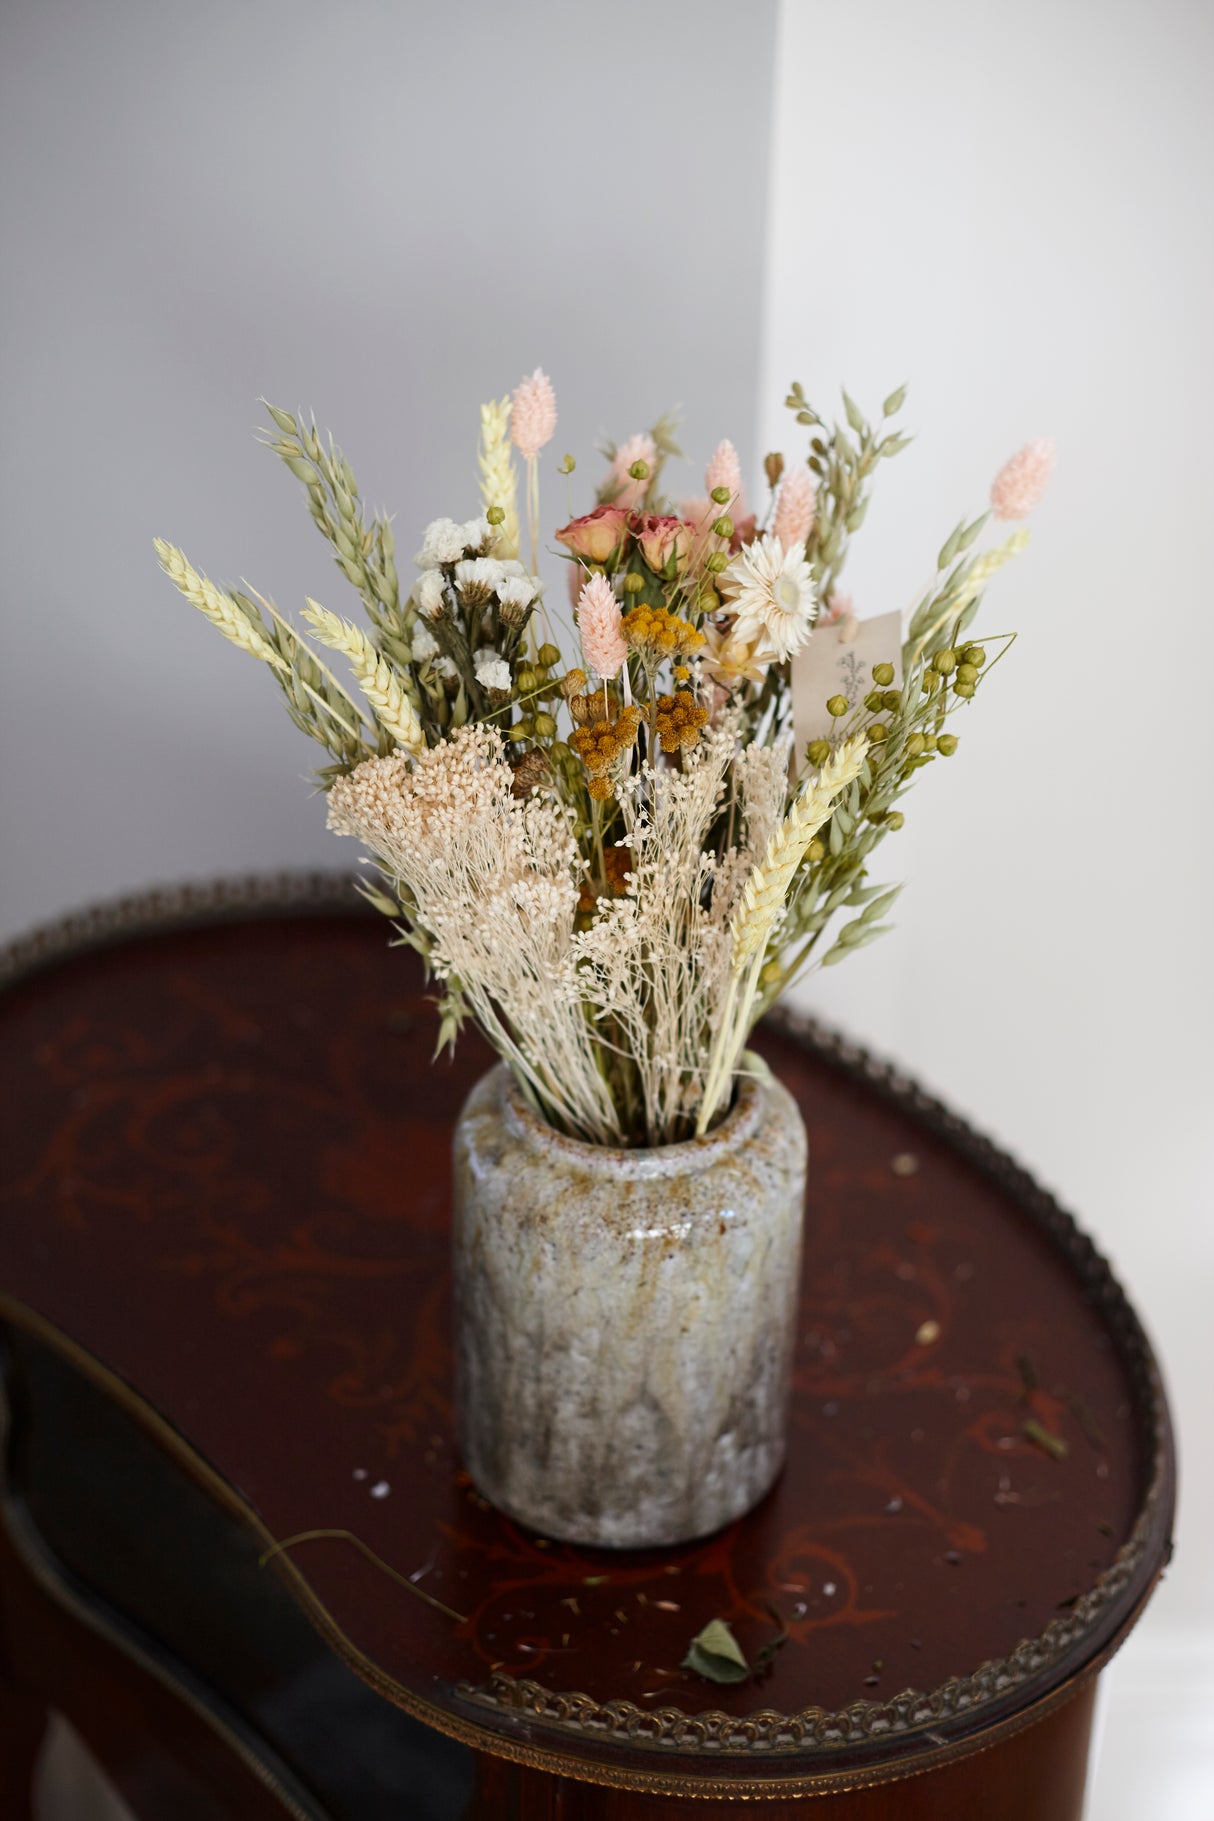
(478, 576)
(517, 591)
(761, 774)
(428, 593)
(770, 590)
(425, 645)
(444, 542)
(492, 670)
(655, 964)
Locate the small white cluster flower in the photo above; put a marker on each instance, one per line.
(425, 645)
(518, 590)
(492, 670)
(444, 542)
(429, 594)
(478, 577)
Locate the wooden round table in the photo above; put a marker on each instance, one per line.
(223, 1303)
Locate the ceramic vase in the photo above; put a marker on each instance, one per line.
(625, 1318)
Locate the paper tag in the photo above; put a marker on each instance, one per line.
(838, 661)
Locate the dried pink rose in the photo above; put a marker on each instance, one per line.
(1020, 482)
(665, 542)
(795, 502)
(532, 414)
(598, 622)
(597, 537)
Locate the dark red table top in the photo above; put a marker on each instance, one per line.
(226, 1178)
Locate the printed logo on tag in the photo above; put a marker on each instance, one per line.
(838, 660)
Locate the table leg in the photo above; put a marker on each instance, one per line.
(23, 1722)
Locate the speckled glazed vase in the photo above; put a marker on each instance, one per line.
(624, 1319)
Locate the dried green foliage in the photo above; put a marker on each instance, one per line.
(365, 552)
(843, 460)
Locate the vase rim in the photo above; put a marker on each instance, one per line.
(750, 1106)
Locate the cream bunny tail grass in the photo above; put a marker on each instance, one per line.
(219, 607)
(391, 706)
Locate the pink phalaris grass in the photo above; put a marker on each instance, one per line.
(624, 490)
(794, 517)
(838, 607)
(699, 514)
(1020, 483)
(598, 622)
(532, 414)
(724, 470)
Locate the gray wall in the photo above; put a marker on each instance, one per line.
(385, 212)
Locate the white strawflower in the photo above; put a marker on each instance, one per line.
(444, 542)
(428, 593)
(770, 590)
(425, 645)
(492, 670)
(447, 669)
(478, 532)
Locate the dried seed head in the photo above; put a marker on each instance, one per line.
(530, 769)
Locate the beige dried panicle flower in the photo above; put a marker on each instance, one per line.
(654, 964)
(494, 880)
(761, 779)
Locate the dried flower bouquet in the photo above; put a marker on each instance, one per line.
(615, 867)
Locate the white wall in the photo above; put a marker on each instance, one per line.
(1009, 209)
(384, 211)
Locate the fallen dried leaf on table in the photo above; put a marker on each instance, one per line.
(716, 1654)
